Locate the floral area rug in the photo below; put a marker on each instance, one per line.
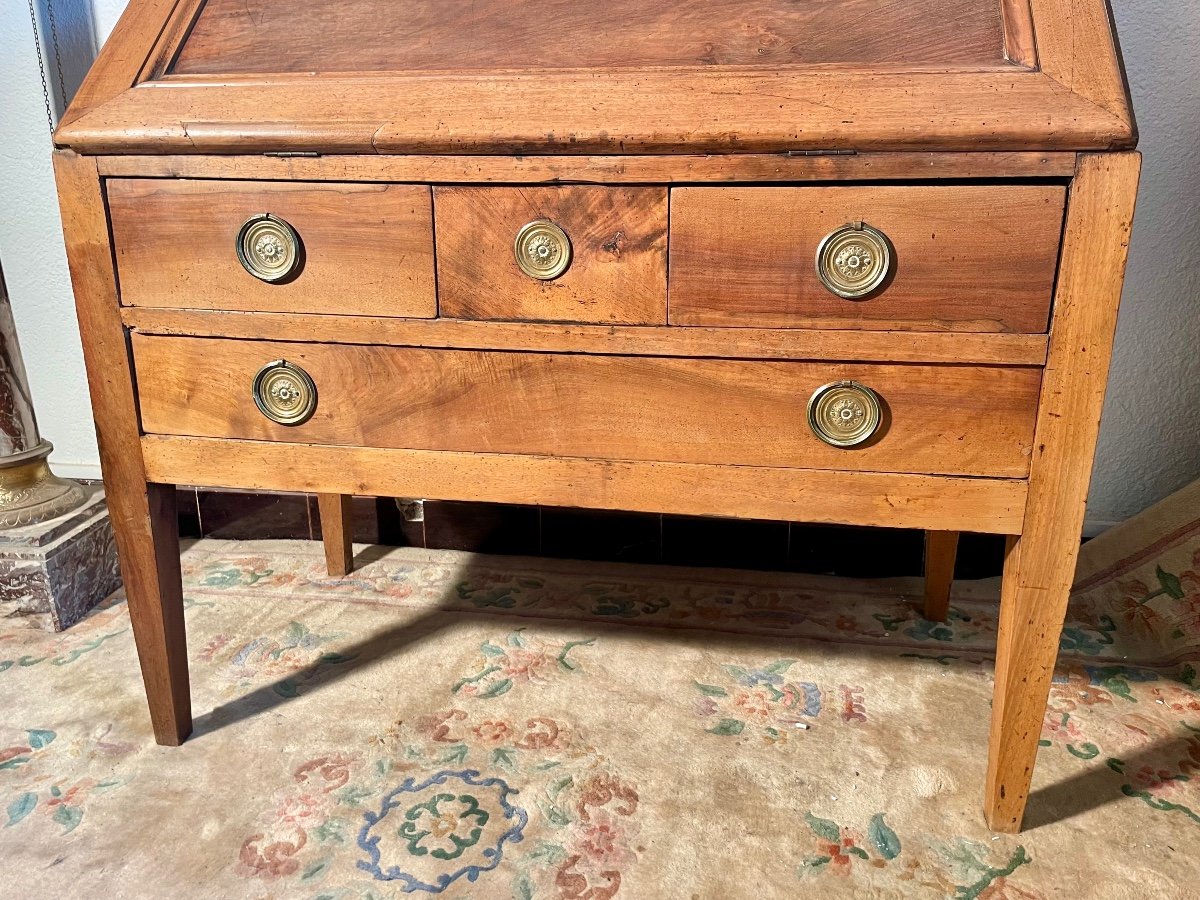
(487, 727)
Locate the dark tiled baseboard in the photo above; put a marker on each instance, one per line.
(588, 534)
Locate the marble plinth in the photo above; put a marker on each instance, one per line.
(62, 567)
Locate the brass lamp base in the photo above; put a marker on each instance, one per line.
(30, 493)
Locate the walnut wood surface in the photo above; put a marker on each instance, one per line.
(968, 258)
(618, 270)
(620, 340)
(143, 514)
(728, 167)
(1040, 564)
(368, 248)
(337, 532)
(247, 36)
(854, 498)
(941, 547)
(938, 420)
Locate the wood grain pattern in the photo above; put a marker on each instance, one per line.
(854, 498)
(1040, 565)
(959, 420)
(368, 248)
(620, 340)
(143, 514)
(618, 270)
(638, 112)
(628, 169)
(1077, 48)
(337, 532)
(241, 36)
(941, 547)
(967, 258)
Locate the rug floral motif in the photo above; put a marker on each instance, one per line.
(442, 724)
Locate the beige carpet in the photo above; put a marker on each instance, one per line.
(512, 728)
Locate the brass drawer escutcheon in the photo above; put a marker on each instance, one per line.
(268, 247)
(844, 413)
(854, 260)
(543, 250)
(285, 393)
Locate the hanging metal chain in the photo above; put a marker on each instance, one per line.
(37, 46)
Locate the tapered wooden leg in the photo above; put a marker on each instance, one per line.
(143, 515)
(147, 532)
(1039, 566)
(940, 550)
(337, 533)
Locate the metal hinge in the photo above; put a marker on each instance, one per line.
(821, 153)
(289, 154)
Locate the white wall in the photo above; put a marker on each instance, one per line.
(1150, 440)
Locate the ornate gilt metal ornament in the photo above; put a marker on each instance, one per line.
(543, 250)
(30, 493)
(268, 247)
(285, 393)
(844, 413)
(854, 260)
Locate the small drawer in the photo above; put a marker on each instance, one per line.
(956, 420)
(354, 249)
(552, 254)
(943, 258)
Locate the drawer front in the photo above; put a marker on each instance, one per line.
(959, 420)
(962, 258)
(616, 262)
(362, 249)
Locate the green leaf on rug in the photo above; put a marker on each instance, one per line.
(502, 756)
(316, 870)
(515, 639)
(1086, 751)
(496, 688)
(728, 727)
(68, 817)
(813, 863)
(455, 754)
(559, 785)
(883, 837)
(779, 666)
(556, 816)
(823, 828)
(40, 737)
(1171, 584)
(1117, 765)
(548, 854)
(490, 649)
(711, 690)
(522, 888)
(859, 852)
(20, 808)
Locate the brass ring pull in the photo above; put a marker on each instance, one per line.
(543, 250)
(268, 247)
(854, 260)
(844, 413)
(285, 393)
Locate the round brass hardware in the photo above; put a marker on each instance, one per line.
(268, 247)
(285, 393)
(854, 260)
(844, 413)
(543, 250)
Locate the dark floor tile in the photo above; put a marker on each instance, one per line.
(735, 543)
(856, 552)
(601, 535)
(246, 516)
(482, 527)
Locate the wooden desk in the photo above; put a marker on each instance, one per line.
(833, 262)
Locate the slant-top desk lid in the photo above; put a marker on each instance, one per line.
(624, 76)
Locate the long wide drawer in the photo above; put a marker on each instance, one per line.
(956, 420)
(945, 258)
(361, 249)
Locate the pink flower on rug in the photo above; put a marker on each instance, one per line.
(542, 733)
(601, 842)
(438, 726)
(528, 663)
(1059, 726)
(753, 704)
(328, 773)
(213, 647)
(601, 789)
(493, 732)
(1160, 782)
(271, 860)
(1177, 699)
(300, 810)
